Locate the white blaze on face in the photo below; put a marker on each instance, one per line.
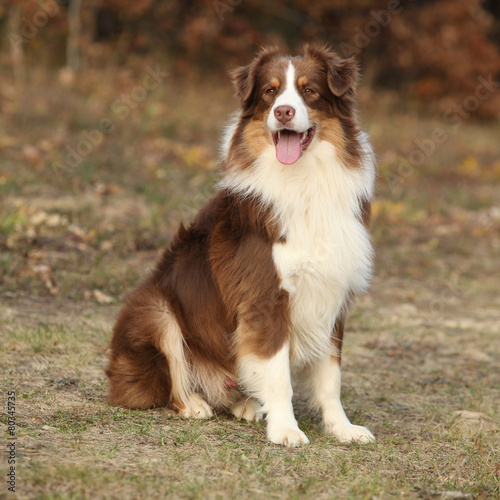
(292, 137)
(290, 97)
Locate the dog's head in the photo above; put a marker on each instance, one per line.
(291, 102)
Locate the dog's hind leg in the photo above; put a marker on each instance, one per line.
(148, 364)
(182, 398)
(247, 408)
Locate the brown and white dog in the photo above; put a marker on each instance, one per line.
(255, 291)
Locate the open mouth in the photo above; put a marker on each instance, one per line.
(290, 145)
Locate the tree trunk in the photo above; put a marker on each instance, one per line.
(74, 30)
(16, 42)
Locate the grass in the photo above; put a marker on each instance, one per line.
(421, 352)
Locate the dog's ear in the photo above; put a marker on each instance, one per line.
(342, 76)
(242, 81)
(245, 78)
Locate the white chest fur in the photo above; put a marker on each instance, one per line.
(327, 252)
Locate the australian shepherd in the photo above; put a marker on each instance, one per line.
(255, 291)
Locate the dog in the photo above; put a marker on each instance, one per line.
(256, 289)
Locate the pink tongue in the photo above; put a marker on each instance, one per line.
(288, 148)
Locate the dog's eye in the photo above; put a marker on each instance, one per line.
(308, 91)
(271, 91)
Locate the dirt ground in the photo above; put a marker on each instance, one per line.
(80, 224)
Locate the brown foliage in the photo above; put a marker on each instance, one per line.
(435, 50)
(442, 49)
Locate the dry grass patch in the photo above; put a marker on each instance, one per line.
(421, 354)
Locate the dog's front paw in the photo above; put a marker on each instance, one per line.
(248, 409)
(350, 433)
(196, 407)
(287, 436)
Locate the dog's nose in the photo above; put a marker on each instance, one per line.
(284, 113)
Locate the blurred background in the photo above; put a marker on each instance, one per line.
(111, 114)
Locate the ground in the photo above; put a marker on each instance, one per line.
(95, 176)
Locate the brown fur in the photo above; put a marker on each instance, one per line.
(208, 279)
(215, 294)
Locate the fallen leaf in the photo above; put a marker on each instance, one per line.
(102, 298)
